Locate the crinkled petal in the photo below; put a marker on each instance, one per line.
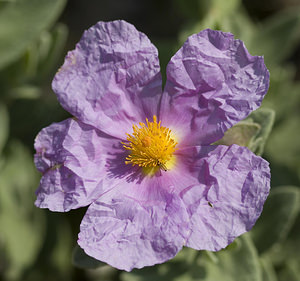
(112, 77)
(212, 83)
(233, 186)
(129, 229)
(73, 159)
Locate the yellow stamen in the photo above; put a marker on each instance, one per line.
(151, 146)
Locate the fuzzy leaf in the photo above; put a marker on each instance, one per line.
(21, 22)
(289, 249)
(22, 225)
(268, 271)
(283, 84)
(212, 13)
(239, 259)
(278, 216)
(240, 25)
(291, 272)
(282, 27)
(283, 147)
(51, 49)
(265, 118)
(241, 134)
(252, 132)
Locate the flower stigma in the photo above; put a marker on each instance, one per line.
(151, 147)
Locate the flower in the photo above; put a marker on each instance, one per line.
(142, 158)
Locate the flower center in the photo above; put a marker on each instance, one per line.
(150, 145)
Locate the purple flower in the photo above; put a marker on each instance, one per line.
(142, 158)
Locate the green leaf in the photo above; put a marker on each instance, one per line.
(291, 272)
(214, 12)
(22, 78)
(4, 126)
(283, 146)
(164, 272)
(252, 132)
(282, 28)
(22, 224)
(278, 216)
(220, 9)
(286, 255)
(288, 249)
(22, 22)
(240, 25)
(268, 271)
(51, 48)
(82, 260)
(265, 118)
(241, 134)
(240, 259)
(282, 83)
(54, 260)
(25, 92)
(62, 248)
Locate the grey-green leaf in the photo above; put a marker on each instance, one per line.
(25, 92)
(265, 118)
(21, 22)
(291, 272)
(22, 224)
(239, 259)
(282, 29)
(289, 249)
(282, 84)
(278, 216)
(54, 44)
(213, 12)
(268, 271)
(283, 147)
(241, 134)
(252, 132)
(234, 262)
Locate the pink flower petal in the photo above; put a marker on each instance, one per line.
(112, 77)
(233, 186)
(127, 233)
(212, 83)
(73, 158)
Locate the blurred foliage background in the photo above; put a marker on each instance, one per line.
(34, 38)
